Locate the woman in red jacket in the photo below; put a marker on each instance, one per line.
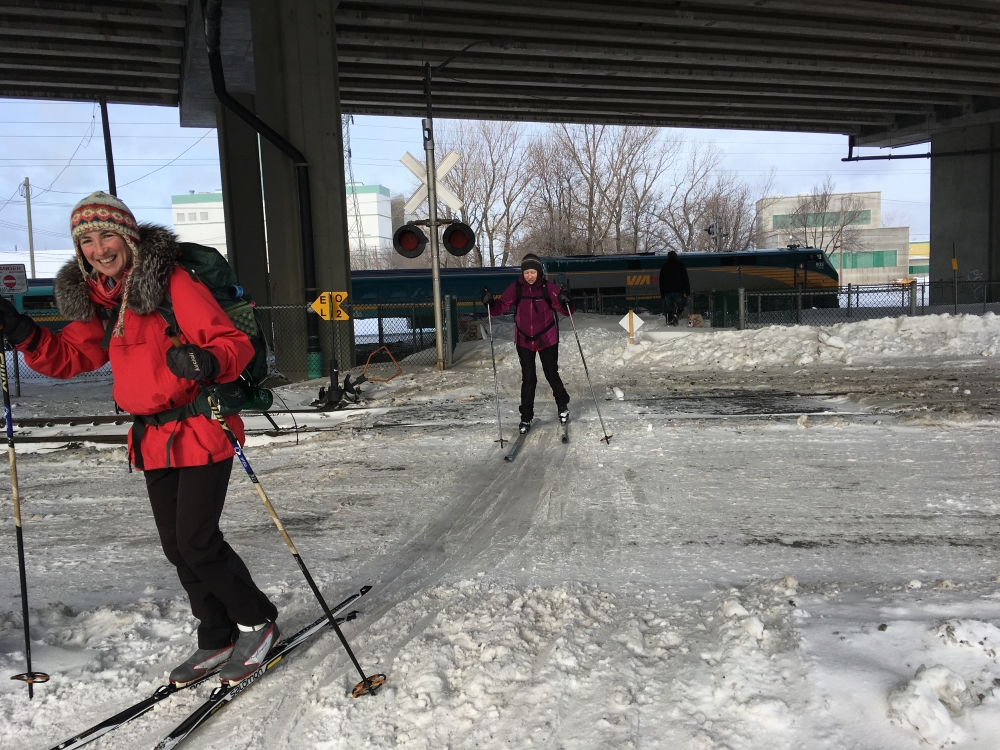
(122, 273)
(535, 302)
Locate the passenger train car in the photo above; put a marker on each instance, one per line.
(605, 283)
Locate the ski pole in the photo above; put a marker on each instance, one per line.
(607, 437)
(496, 386)
(29, 677)
(367, 685)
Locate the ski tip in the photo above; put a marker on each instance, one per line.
(365, 589)
(369, 686)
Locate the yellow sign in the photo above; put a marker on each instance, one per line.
(328, 306)
(954, 264)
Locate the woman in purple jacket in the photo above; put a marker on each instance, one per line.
(535, 302)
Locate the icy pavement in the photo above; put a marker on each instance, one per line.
(790, 556)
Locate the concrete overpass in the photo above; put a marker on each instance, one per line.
(885, 72)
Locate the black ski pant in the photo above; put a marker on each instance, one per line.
(529, 379)
(187, 504)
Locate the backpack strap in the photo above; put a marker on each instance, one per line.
(111, 318)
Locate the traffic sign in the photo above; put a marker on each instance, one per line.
(13, 279)
(328, 306)
(631, 323)
(419, 171)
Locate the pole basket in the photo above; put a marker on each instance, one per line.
(369, 686)
(373, 370)
(607, 439)
(31, 677)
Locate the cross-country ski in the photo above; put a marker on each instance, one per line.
(165, 691)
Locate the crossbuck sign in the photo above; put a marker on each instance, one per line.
(420, 171)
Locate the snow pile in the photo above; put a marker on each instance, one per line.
(971, 633)
(607, 350)
(928, 702)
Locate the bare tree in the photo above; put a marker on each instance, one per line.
(492, 183)
(827, 221)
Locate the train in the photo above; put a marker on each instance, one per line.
(604, 283)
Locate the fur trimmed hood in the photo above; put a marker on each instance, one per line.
(153, 263)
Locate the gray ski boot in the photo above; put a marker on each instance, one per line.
(200, 663)
(250, 652)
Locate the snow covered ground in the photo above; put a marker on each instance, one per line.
(791, 542)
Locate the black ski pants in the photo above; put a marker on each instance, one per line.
(187, 504)
(529, 379)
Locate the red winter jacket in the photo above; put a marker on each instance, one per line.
(143, 384)
(534, 318)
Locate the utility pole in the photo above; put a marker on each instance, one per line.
(108, 156)
(31, 239)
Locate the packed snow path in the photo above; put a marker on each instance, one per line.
(584, 596)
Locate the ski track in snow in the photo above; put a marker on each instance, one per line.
(637, 595)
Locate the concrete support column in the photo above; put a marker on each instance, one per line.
(295, 59)
(239, 160)
(965, 203)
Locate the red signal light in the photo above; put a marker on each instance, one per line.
(409, 241)
(458, 239)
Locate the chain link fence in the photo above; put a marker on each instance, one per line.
(853, 303)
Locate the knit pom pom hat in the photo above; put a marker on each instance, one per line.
(531, 261)
(97, 212)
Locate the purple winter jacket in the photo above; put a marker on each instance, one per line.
(534, 318)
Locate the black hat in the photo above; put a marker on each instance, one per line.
(531, 261)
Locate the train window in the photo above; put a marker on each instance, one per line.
(38, 302)
(633, 265)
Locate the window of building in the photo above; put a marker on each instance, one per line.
(920, 269)
(204, 215)
(180, 217)
(827, 219)
(192, 217)
(874, 259)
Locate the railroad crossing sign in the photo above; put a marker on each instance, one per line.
(420, 172)
(631, 323)
(13, 280)
(328, 306)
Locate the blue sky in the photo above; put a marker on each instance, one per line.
(59, 147)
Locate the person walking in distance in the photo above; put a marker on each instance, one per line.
(535, 302)
(675, 288)
(123, 273)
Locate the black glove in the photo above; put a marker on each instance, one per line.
(487, 297)
(192, 362)
(17, 327)
(564, 298)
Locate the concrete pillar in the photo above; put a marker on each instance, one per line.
(965, 204)
(239, 160)
(295, 62)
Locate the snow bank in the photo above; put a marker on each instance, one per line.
(605, 344)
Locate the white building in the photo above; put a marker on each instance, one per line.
(369, 225)
(875, 254)
(199, 217)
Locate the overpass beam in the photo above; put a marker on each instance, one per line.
(239, 160)
(965, 203)
(295, 63)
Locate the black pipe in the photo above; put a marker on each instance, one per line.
(928, 155)
(212, 11)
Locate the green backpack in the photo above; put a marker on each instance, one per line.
(209, 266)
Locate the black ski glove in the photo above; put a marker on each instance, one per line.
(192, 362)
(564, 298)
(17, 326)
(487, 297)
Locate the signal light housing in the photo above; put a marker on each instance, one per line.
(409, 241)
(459, 239)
